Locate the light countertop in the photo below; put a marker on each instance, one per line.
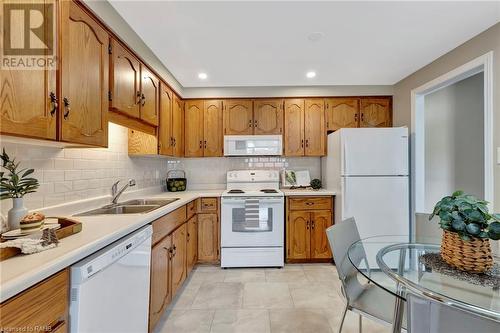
(307, 192)
(21, 272)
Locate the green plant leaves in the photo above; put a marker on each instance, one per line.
(468, 216)
(15, 184)
(494, 230)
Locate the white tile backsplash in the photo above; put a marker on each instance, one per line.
(81, 173)
(73, 174)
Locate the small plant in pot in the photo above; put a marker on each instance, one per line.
(467, 229)
(15, 183)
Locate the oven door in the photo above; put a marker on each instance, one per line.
(236, 231)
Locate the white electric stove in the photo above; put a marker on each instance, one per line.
(252, 220)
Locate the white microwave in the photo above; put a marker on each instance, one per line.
(253, 145)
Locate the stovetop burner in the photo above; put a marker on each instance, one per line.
(235, 191)
(266, 190)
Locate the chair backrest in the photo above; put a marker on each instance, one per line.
(426, 315)
(341, 236)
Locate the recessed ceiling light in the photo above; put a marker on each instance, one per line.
(310, 74)
(202, 76)
(315, 36)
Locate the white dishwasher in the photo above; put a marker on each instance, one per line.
(110, 288)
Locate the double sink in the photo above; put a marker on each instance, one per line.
(136, 206)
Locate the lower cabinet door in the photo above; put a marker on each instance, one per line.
(320, 248)
(192, 243)
(160, 292)
(208, 238)
(298, 235)
(178, 257)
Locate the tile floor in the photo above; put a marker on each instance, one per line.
(297, 298)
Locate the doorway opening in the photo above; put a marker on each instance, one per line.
(452, 138)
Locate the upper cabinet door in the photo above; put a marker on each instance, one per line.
(238, 117)
(150, 86)
(84, 77)
(28, 104)
(268, 116)
(212, 132)
(314, 127)
(165, 129)
(125, 81)
(376, 112)
(342, 113)
(178, 126)
(294, 127)
(193, 136)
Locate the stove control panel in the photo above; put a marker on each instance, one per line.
(248, 176)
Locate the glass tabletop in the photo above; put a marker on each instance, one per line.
(392, 263)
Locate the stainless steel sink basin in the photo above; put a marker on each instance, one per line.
(136, 206)
(154, 202)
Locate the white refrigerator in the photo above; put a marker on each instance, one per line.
(368, 168)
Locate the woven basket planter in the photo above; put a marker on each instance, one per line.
(472, 256)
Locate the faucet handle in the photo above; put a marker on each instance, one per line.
(131, 182)
(114, 188)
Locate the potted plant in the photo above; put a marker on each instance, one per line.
(468, 228)
(15, 184)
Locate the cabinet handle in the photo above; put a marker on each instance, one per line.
(53, 102)
(307, 143)
(356, 117)
(312, 224)
(205, 144)
(187, 237)
(66, 108)
(309, 203)
(362, 117)
(250, 123)
(302, 143)
(255, 123)
(138, 97)
(201, 144)
(307, 225)
(143, 99)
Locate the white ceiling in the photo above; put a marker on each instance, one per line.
(266, 43)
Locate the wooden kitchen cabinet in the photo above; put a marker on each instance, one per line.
(84, 77)
(294, 127)
(150, 87)
(238, 117)
(342, 113)
(320, 221)
(193, 144)
(208, 238)
(299, 237)
(191, 244)
(307, 220)
(268, 116)
(28, 97)
(178, 257)
(314, 127)
(178, 126)
(43, 305)
(160, 285)
(376, 112)
(165, 138)
(124, 81)
(212, 128)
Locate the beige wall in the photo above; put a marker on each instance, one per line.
(487, 41)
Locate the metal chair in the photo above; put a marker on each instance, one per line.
(368, 299)
(426, 315)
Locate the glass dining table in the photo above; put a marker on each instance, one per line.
(393, 263)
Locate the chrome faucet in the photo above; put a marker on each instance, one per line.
(115, 193)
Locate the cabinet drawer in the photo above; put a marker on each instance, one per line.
(208, 205)
(43, 305)
(191, 209)
(166, 224)
(310, 203)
